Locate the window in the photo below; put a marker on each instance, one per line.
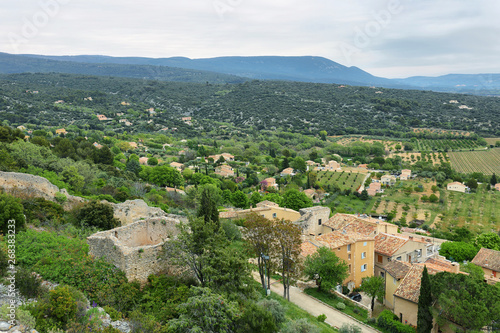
(364, 267)
(398, 258)
(349, 256)
(349, 269)
(364, 244)
(394, 280)
(274, 215)
(382, 274)
(319, 221)
(363, 255)
(380, 259)
(419, 252)
(348, 247)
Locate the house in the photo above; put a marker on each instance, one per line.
(399, 247)
(363, 166)
(374, 188)
(497, 186)
(394, 272)
(332, 166)
(21, 128)
(97, 145)
(360, 223)
(175, 190)
(310, 193)
(224, 171)
(458, 187)
(388, 180)
(178, 166)
(182, 152)
(489, 261)
(287, 172)
(405, 174)
(310, 164)
(133, 145)
(226, 156)
(355, 249)
(102, 117)
(125, 103)
(268, 209)
(61, 131)
(408, 292)
(143, 160)
(268, 182)
(187, 120)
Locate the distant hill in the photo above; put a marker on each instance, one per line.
(239, 69)
(13, 64)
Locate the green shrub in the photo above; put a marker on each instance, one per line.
(113, 313)
(300, 326)
(321, 318)
(231, 230)
(340, 306)
(42, 210)
(25, 318)
(61, 198)
(356, 310)
(276, 309)
(389, 321)
(4, 261)
(142, 323)
(371, 320)
(28, 284)
(97, 214)
(349, 328)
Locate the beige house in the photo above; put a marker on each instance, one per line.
(97, 145)
(224, 171)
(489, 261)
(333, 166)
(177, 165)
(102, 117)
(143, 160)
(355, 249)
(394, 272)
(310, 193)
(458, 187)
(133, 145)
(268, 182)
(405, 174)
(374, 188)
(389, 248)
(310, 164)
(287, 172)
(407, 294)
(497, 187)
(388, 180)
(61, 131)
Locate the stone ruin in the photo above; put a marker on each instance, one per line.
(136, 248)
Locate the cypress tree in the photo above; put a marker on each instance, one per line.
(424, 316)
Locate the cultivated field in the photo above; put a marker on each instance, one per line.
(491, 141)
(344, 179)
(447, 145)
(487, 162)
(412, 158)
(441, 131)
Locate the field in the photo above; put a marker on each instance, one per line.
(480, 211)
(486, 162)
(346, 179)
(492, 141)
(447, 145)
(441, 131)
(346, 140)
(412, 158)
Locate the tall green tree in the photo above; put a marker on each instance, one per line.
(375, 288)
(424, 315)
(288, 242)
(208, 201)
(11, 210)
(488, 240)
(296, 200)
(326, 268)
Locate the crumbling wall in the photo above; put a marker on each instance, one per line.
(136, 248)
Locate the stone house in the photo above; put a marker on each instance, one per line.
(268, 182)
(224, 171)
(310, 164)
(178, 166)
(102, 117)
(332, 166)
(312, 220)
(374, 188)
(310, 193)
(61, 131)
(267, 209)
(360, 223)
(497, 186)
(405, 174)
(355, 249)
(136, 249)
(458, 187)
(489, 261)
(388, 180)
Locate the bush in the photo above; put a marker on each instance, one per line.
(300, 326)
(276, 309)
(96, 214)
(231, 230)
(371, 320)
(340, 306)
(11, 210)
(356, 310)
(28, 284)
(142, 323)
(349, 328)
(390, 322)
(4, 261)
(25, 318)
(113, 313)
(61, 198)
(321, 318)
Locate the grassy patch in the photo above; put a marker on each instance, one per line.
(332, 300)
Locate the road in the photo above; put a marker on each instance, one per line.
(334, 317)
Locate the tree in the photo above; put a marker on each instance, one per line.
(288, 240)
(424, 315)
(326, 268)
(134, 166)
(97, 214)
(488, 240)
(104, 156)
(323, 134)
(255, 198)
(375, 287)
(11, 210)
(209, 200)
(205, 311)
(296, 200)
(299, 164)
(240, 199)
(472, 183)
(364, 195)
(433, 198)
(493, 179)
(152, 161)
(458, 251)
(71, 176)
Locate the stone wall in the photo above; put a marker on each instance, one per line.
(135, 248)
(132, 210)
(312, 219)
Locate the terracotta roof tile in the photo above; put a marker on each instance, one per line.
(388, 244)
(308, 248)
(409, 288)
(488, 259)
(397, 268)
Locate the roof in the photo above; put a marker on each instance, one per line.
(308, 248)
(409, 288)
(267, 203)
(456, 184)
(350, 223)
(287, 171)
(337, 239)
(487, 258)
(397, 268)
(389, 244)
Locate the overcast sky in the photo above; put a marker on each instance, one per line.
(388, 38)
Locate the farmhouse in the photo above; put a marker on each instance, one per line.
(224, 171)
(102, 117)
(287, 172)
(405, 174)
(374, 188)
(458, 187)
(267, 209)
(61, 131)
(388, 180)
(268, 182)
(497, 187)
(177, 166)
(361, 224)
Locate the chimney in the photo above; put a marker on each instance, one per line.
(455, 267)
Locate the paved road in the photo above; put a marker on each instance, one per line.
(314, 307)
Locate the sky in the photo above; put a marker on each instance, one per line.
(387, 38)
